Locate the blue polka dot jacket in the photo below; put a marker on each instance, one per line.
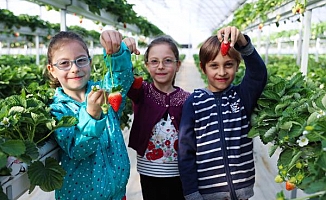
(94, 154)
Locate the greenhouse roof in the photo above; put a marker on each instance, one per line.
(187, 20)
(193, 21)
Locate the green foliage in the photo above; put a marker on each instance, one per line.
(291, 115)
(21, 138)
(120, 8)
(49, 176)
(253, 11)
(25, 120)
(33, 22)
(14, 75)
(22, 20)
(125, 14)
(26, 123)
(86, 34)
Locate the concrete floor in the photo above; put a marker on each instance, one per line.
(265, 189)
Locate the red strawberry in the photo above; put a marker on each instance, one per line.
(138, 81)
(115, 99)
(289, 185)
(225, 48)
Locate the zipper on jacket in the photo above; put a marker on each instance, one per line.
(224, 149)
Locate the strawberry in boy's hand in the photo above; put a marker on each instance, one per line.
(138, 81)
(225, 48)
(115, 98)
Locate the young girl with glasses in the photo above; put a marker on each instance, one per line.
(93, 151)
(155, 128)
(157, 109)
(215, 155)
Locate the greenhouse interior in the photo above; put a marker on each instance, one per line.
(287, 124)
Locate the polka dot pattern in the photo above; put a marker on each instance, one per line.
(94, 154)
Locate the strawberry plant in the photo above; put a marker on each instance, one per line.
(14, 76)
(114, 98)
(25, 125)
(291, 115)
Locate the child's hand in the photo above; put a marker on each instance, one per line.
(233, 34)
(111, 41)
(131, 44)
(94, 101)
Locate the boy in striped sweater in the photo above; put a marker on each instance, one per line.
(215, 156)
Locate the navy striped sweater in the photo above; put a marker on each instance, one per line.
(215, 155)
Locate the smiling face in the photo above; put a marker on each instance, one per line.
(162, 74)
(73, 81)
(220, 72)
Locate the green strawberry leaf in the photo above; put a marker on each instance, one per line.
(67, 121)
(3, 159)
(48, 176)
(13, 147)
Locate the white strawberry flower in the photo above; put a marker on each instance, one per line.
(5, 122)
(95, 87)
(321, 113)
(302, 141)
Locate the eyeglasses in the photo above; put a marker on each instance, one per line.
(67, 64)
(168, 62)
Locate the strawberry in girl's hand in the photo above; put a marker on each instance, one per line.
(115, 98)
(138, 81)
(225, 48)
